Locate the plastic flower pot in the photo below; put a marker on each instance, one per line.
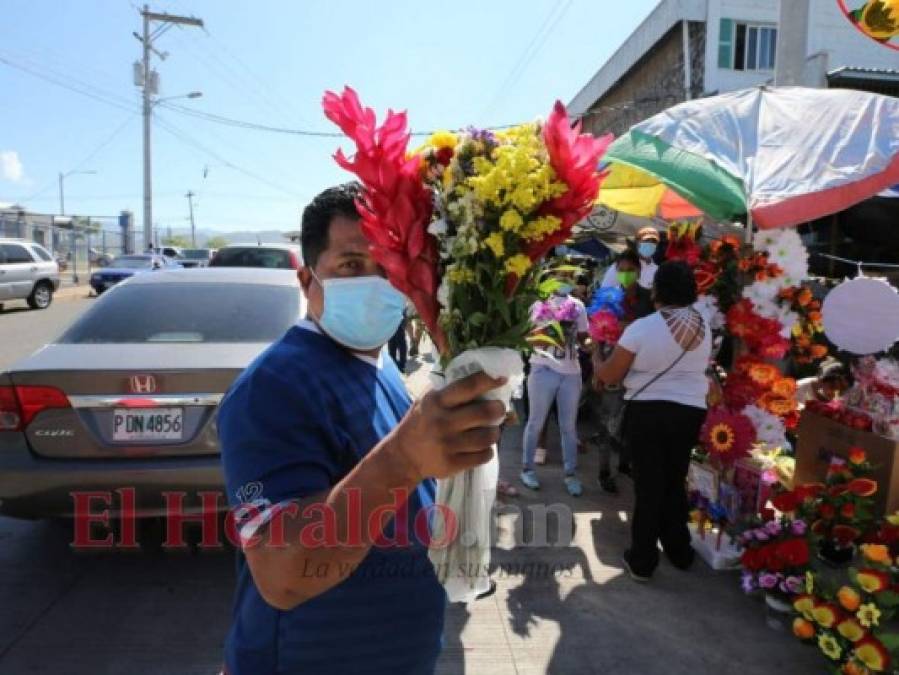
(834, 555)
(778, 613)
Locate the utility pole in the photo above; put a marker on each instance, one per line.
(193, 227)
(148, 80)
(792, 43)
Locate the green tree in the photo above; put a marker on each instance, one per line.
(178, 240)
(216, 242)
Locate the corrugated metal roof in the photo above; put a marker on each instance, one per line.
(857, 73)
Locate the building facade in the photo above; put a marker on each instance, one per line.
(690, 48)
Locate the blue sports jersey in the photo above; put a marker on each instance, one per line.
(290, 427)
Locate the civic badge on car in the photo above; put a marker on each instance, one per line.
(142, 384)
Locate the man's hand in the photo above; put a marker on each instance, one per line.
(450, 430)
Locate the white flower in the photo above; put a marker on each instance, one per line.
(437, 228)
(769, 428)
(707, 305)
(443, 293)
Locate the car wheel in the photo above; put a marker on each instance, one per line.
(41, 296)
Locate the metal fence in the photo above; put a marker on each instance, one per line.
(79, 245)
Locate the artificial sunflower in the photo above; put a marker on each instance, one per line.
(726, 435)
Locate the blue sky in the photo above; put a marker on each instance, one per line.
(448, 64)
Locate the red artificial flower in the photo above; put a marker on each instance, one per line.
(844, 534)
(827, 511)
(444, 155)
(396, 205)
(726, 435)
(862, 487)
(740, 391)
(574, 157)
(793, 552)
(706, 275)
(605, 327)
(857, 455)
(847, 510)
(786, 502)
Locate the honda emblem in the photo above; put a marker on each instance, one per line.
(142, 384)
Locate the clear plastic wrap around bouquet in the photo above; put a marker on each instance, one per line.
(459, 225)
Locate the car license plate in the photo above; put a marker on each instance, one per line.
(148, 424)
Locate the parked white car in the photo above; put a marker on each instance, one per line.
(27, 272)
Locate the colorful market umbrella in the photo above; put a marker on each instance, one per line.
(783, 155)
(635, 192)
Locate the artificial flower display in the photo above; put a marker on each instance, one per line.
(459, 226)
(775, 558)
(727, 436)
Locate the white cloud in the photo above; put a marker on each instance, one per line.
(11, 166)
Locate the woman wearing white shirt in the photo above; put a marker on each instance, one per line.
(662, 360)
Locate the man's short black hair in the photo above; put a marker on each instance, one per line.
(833, 372)
(339, 200)
(628, 255)
(675, 284)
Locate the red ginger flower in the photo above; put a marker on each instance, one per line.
(574, 157)
(396, 206)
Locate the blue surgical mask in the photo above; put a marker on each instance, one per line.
(646, 249)
(564, 289)
(360, 313)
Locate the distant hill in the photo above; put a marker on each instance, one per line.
(235, 237)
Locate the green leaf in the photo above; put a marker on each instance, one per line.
(888, 599)
(478, 319)
(889, 640)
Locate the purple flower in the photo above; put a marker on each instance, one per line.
(748, 582)
(799, 527)
(769, 477)
(540, 312)
(773, 528)
(768, 580)
(795, 584)
(568, 310)
(761, 534)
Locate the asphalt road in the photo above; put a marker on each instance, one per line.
(121, 612)
(22, 330)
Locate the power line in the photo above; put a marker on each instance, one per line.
(93, 153)
(530, 51)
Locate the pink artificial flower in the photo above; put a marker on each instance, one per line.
(799, 527)
(768, 580)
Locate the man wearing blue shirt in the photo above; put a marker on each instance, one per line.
(330, 468)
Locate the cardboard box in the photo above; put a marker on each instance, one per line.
(821, 438)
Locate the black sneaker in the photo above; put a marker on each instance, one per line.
(608, 484)
(627, 566)
(682, 562)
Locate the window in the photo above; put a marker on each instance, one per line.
(746, 46)
(16, 254)
(193, 312)
(42, 253)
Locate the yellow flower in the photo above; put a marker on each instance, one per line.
(829, 645)
(511, 220)
(538, 228)
(495, 243)
(893, 519)
(460, 275)
(443, 139)
(518, 265)
(868, 615)
(876, 553)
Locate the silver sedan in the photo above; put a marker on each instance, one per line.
(127, 397)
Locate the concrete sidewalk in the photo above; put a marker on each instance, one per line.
(574, 610)
(67, 290)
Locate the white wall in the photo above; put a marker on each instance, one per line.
(829, 33)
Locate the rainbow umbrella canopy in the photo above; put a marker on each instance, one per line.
(637, 193)
(782, 156)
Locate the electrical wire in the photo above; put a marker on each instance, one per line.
(857, 263)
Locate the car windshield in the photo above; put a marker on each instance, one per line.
(132, 262)
(188, 312)
(254, 256)
(196, 253)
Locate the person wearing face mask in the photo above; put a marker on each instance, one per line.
(329, 467)
(647, 243)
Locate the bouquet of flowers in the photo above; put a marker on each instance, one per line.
(841, 511)
(848, 621)
(807, 333)
(605, 313)
(458, 225)
(775, 556)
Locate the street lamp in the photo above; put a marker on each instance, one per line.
(62, 177)
(62, 212)
(149, 104)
